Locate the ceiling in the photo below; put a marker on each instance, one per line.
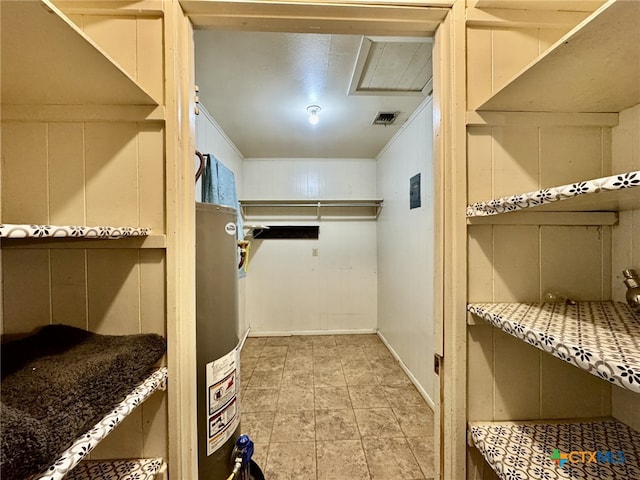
(258, 85)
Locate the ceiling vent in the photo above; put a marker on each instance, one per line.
(385, 118)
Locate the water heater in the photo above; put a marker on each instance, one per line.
(217, 339)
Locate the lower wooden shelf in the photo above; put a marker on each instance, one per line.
(75, 455)
(138, 469)
(589, 449)
(602, 338)
(135, 242)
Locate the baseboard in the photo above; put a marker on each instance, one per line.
(289, 333)
(244, 339)
(413, 379)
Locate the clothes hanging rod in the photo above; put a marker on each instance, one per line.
(311, 203)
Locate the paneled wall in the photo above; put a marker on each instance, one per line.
(89, 173)
(406, 248)
(508, 379)
(93, 165)
(134, 41)
(313, 286)
(625, 405)
(518, 263)
(497, 53)
(626, 235)
(521, 263)
(83, 174)
(511, 153)
(210, 138)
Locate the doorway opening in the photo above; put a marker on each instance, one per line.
(283, 291)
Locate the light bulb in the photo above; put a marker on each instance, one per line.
(313, 114)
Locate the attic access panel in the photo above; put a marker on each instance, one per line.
(393, 66)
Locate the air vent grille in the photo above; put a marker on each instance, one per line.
(385, 118)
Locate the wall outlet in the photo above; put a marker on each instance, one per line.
(314, 252)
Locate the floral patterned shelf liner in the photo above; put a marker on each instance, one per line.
(602, 338)
(536, 450)
(62, 231)
(140, 469)
(86, 443)
(554, 194)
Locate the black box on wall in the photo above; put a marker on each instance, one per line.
(414, 192)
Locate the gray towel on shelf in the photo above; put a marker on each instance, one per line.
(59, 383)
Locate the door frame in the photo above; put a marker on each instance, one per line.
(445, 21)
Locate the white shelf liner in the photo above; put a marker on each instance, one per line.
(545, 196)
(602, 338)
(87, 442)
(138, 469)
(75, 231)
(524, 450)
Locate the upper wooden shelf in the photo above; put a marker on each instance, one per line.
(65, 231)
(47, 60)
(593, 68)
(602, 338)
(67, 236)
(612, 193)
(555, 449)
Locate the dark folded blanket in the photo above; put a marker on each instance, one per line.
(59, 383)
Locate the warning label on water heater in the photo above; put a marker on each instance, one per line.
(222, 400)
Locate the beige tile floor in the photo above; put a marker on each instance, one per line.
(335, 407)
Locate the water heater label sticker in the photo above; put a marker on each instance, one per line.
(222, 400)
(230, 228)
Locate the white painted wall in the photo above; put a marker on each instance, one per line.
(406, 248)
(367, 275)
(210, 138)
(290, 291)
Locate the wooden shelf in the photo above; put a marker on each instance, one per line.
(138, 469)
(593, 68)
(148, 241)
(534, 450)
(547, 218)
(87, 442)
(612, 193)
(602, 338)
(365, 208)
(42, 48)
(24, 231)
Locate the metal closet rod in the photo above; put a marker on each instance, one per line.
(311, 203)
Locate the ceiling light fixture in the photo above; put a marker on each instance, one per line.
(313, 114)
